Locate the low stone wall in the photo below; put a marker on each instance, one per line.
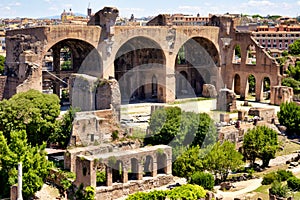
(118, 190)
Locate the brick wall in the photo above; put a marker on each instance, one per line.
(2, 86)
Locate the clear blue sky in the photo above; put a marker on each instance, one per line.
(140, 8)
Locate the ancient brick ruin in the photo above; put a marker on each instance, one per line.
(151, 63)
(128, 169)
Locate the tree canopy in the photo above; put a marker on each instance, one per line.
(294, 48)
(289, 116)
(33, 158)
(180, 129)
(2, 60)
(189, 162)
(31, 111)
(260, 142)
(222, 159)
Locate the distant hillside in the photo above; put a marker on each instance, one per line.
(58, 16)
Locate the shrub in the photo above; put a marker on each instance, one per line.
(206, 180)
(293, 183)
(115, 135)
(187, 191)
(269, 178)
(283, 175)
(154, 195)
(279, 189)
(101, 177)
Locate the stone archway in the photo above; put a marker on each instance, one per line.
(138, 63)
(237, 84)
(148, 166)
(161, 163)
(71, 56)
(198, 58)
(251, 85)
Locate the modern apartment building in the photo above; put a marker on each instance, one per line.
(277, 37)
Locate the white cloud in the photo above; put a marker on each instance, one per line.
(67, 6)
(298, 2)
(14, 4)
(255, 3)
(53, 8)
(133, 9)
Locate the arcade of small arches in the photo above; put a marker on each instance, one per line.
(121, 167)
(250, 86)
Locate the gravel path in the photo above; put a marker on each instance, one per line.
(243, 188)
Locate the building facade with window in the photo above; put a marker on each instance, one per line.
(276, 38)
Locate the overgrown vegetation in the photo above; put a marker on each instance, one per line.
(260, 142)
(180, 129)
(187, 192)
(289, 116)
(206, 180)
(2, 61)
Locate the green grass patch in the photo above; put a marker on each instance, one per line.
(289, 147)
(181, 101)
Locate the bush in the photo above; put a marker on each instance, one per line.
(187, 191)
(101, 177)
(115, 135)
(269, 178)
(154, 195)
(206, 180)
(283, 175)
(293, 183)
(278, 189)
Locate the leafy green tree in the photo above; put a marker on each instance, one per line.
(278, 189)
(206, 180)
(251, 81)
(222, 159)
(32, 111)
(294, 71)
(66, 65)
(2, 61)
(35, 165)
(188, 192)
(257, 16)
(237, 50)
(294, 48)
(180, 129)
(260, 142)
(291, 82)
(64, 128)
(289, 116)
(189, 162)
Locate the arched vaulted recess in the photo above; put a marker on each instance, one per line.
(139, 67)
(70, 56)
(196, 64)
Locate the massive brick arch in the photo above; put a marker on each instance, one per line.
(139, 66)
(89, 34)
(199, 58)
(84, 58)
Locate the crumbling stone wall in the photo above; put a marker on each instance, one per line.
(266, 114)
(108, 96)
(86, 166)
(105, 18)
(226, 100)
(91, 93)
(2, 86)
(94, 128)
(281, 94)
(24, 59)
